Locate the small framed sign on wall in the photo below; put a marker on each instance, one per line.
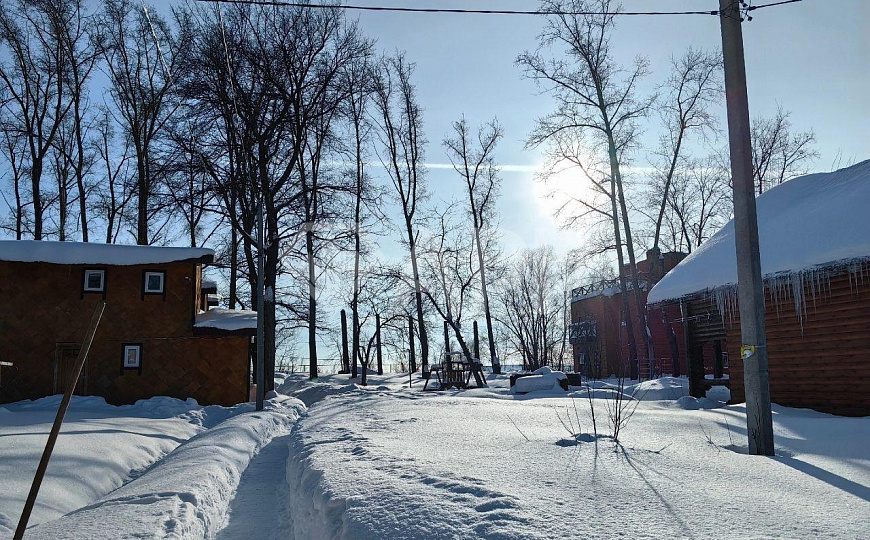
(132, 357)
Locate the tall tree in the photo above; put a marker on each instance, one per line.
(34, 83)
(472, 158)
(694, 84)
(267, 82)
(143, 55)
(78, 46)
(400, 120)
(532, 307)
(594, 95)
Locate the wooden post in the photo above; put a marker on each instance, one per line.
(476, 343)
(345, 357)
(378, 343)
(58, 420)
(411, 362)
(750, 286)
(718, 365)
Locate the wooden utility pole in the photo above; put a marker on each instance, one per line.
(750, 287)
(58, 420)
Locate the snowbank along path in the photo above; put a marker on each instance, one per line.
(388, 463)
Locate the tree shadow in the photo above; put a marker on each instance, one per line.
(687, 532)
(849, 486)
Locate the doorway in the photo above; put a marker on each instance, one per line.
(65, 356)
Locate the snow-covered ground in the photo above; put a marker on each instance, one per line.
(391, 462)
(388, 462)
(161, 468)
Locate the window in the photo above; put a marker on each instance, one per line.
(132, 358)
(154, 282)
(95, 280)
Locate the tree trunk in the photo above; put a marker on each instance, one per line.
(312, 307)
(35, 178)
(142, 197)
(623, 288)
(493, 356)
(418, 295)
(629, 243)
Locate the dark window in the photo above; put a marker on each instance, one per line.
(95, 280)
(131, 357)
(153, 282)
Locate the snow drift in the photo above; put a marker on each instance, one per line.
(809, 222)
(187, 493)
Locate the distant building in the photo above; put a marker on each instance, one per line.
(159, 335)
(814, 237)
(598, 325)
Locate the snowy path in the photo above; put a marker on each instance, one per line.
(259, 508)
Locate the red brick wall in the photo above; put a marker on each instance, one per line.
(43, 305)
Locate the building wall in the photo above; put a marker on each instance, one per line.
(613, 345)
(613, 342)
(43, 305)
(826, 366)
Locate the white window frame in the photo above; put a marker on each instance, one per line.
(138, 349)
(102, 287)
(162, 282)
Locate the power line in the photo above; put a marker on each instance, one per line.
(481, 11)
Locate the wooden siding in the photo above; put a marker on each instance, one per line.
(43, 305)
(825, 366)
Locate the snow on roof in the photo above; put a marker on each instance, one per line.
(814, 221)
(93, 253)
(227, 319)
(208, 284)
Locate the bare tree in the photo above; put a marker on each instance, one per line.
(472, 158)
(400, 121)
(778, 153)
(698, 203)
(268, 83)
(450, 270)
(34, 83)
(81, 58)
(694, 85)
(595, 96)
(532, 307)
(142, 57)
(12, 149)
(114, 163)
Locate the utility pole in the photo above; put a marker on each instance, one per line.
(750, 287)
(261, 293)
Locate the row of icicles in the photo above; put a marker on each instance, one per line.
(815, 282)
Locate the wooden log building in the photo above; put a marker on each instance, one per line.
(815, 259)
(161, 333)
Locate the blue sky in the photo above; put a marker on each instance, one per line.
(810, 57)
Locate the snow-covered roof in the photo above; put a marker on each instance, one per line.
(229, 320)
(93, 253)
(209, 284)
(814, 221)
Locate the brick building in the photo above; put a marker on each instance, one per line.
(159, 334)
